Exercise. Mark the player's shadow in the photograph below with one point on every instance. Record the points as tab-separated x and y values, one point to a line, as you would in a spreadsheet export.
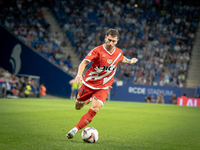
74	141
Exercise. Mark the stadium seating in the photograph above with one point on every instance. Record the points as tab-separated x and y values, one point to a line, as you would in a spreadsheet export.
25	20
162	34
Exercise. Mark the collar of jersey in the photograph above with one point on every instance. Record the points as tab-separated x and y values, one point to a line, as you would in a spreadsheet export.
108	51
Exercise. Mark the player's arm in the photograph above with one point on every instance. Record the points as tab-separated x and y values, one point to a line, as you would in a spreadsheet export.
81	68
129	61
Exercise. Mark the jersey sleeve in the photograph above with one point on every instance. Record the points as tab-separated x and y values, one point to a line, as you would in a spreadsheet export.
122	57
92	55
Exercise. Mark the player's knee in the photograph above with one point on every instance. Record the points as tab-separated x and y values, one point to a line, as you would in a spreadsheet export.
78	107
96	109
96	105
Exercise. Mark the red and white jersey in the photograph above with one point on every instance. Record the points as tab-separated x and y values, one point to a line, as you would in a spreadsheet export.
104	65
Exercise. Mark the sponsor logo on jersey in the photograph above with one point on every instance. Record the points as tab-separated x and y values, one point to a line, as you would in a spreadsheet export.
109	61
104	70
107	68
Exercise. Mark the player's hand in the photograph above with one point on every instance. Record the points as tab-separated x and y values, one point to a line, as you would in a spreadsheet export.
133	60
78	79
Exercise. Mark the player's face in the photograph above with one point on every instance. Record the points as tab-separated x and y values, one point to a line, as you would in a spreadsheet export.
110	42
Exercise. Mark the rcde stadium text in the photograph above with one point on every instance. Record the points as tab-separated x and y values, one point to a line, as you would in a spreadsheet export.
137	90
149	91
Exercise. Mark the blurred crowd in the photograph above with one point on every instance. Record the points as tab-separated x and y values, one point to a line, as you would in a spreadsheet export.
17	86
161	34
26	21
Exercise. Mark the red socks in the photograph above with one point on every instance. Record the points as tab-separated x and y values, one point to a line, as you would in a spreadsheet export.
86	119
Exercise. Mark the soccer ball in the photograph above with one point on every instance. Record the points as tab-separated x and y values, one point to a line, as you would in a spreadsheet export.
90	135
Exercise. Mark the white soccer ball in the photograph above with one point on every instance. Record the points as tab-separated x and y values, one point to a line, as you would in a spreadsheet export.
90	135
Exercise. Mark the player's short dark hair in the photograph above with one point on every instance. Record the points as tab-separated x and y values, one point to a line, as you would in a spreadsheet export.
113	33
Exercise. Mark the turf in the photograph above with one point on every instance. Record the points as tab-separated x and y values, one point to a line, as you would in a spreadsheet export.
41	124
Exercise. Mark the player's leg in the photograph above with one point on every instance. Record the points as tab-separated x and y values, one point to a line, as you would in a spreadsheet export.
72	132
87	118
84	93
96	105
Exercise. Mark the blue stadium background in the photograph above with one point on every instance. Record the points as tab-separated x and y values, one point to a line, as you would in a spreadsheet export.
159	33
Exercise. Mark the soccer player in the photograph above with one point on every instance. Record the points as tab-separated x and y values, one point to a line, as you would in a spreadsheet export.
99	78
74	88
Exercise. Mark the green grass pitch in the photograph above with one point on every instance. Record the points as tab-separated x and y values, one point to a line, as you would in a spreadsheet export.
42	124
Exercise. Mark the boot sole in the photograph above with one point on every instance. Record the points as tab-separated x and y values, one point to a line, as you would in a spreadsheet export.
69	136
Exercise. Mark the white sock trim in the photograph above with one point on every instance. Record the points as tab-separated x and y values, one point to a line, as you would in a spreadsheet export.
75	128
